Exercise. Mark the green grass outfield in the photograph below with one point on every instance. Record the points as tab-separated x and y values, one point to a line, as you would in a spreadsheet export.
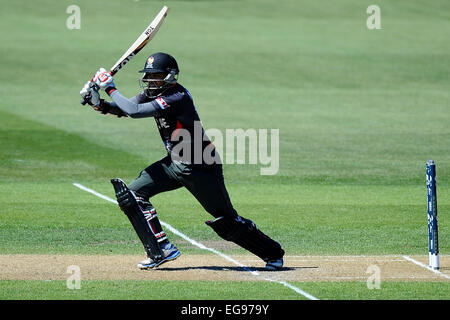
206	290
359	113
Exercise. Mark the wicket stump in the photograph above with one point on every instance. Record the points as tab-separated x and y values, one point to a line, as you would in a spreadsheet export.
433	244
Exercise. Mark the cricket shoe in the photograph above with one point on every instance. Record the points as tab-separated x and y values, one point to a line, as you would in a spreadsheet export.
274	265
170	253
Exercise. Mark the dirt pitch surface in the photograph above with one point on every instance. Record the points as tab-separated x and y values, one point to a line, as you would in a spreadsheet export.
215	268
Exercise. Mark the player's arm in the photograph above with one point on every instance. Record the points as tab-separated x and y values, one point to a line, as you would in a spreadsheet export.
106	107
121	104
132	108
128	107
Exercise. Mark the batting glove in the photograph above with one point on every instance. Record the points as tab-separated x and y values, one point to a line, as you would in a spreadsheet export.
104	80
90	94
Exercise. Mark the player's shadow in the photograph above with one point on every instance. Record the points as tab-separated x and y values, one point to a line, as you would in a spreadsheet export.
230	268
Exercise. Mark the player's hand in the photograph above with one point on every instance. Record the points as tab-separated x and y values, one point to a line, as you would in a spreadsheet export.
103	79
90	94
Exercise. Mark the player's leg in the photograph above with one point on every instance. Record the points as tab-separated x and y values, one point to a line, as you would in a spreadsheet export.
127	202
246	234
208	187
170	252
151	181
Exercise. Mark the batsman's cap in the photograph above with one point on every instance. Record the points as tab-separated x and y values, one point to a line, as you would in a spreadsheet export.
160	62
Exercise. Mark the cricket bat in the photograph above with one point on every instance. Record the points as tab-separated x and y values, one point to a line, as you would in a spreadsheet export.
140	42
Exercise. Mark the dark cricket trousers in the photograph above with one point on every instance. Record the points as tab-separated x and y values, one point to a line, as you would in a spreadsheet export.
207	185
205	182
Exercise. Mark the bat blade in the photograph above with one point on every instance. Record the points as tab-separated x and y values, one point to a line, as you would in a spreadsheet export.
141	41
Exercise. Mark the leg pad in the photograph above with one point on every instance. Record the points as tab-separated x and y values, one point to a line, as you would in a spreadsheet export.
246	234
129	205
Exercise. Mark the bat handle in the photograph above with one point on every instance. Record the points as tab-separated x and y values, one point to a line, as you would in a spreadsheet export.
83	102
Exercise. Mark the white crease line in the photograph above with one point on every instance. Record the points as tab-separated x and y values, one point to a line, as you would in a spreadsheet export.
201	246
348	256
333	260
426	267
94	192
307	260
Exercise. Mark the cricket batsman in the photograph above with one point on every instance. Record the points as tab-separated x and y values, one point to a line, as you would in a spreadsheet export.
172	107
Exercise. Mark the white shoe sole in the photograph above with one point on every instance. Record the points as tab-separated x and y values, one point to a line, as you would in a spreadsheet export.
154	265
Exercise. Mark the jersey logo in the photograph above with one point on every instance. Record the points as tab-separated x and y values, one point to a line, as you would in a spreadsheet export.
162	103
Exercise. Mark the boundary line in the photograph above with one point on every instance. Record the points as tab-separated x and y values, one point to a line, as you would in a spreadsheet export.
202	246
420	264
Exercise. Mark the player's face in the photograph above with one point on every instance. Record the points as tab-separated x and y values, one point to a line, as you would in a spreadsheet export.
155	80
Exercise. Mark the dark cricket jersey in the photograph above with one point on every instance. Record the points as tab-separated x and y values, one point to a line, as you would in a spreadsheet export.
177	120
